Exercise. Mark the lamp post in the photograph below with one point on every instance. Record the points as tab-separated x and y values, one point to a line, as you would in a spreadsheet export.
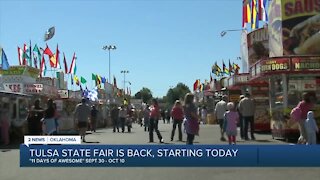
224	32
109	48
124	80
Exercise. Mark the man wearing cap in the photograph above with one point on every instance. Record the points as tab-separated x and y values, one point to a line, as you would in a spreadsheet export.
220	109
247	109
81	115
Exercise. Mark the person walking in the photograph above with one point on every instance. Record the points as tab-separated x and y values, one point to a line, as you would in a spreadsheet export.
191	118
56	117
219	110
122	117
81	116
231	118
247	110
154	119
305	106
35	115
49	122
241	123
146	118
93	118
115	118
204	114
177	116
311	129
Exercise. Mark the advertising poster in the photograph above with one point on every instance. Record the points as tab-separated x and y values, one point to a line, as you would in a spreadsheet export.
300	27
258	45
275	29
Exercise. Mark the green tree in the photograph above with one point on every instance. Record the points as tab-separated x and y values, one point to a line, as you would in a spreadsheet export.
145	94
176	93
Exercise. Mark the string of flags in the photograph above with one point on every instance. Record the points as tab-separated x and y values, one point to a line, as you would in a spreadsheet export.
220	72
254	11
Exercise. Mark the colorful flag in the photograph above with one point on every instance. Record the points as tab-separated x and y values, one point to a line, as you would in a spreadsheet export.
93	77
103	80
236	68
57	58
35	60
71	80
43	68
196	85
76	79
47	51
25	55
20	54
53	60
98	81
83	80
213	68
65	64
30	54
263	15
225	69
37	50
230	68
73	67
245	12
49	34
4	61
218	69
254	15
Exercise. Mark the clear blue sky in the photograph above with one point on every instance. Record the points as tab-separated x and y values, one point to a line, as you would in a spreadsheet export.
160	42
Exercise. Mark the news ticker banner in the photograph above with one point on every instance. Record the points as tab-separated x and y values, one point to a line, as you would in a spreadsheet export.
169	155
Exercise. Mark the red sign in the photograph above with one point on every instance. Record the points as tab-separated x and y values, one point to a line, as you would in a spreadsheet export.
305	63
275	65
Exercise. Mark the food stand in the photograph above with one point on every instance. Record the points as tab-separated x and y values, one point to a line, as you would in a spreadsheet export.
239	84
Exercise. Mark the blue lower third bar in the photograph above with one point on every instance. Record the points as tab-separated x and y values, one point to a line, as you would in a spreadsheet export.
168	156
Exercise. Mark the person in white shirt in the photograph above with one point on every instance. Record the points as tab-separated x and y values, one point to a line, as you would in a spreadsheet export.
220	109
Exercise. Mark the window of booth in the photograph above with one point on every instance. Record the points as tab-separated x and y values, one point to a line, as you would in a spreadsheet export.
276	92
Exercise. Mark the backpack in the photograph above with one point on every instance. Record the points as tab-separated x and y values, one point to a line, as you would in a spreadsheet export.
295	114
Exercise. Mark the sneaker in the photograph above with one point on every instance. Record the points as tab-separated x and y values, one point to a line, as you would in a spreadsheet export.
161	141
171	139
222	139
253	138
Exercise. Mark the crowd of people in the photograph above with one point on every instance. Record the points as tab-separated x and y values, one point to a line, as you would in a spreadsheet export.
185	116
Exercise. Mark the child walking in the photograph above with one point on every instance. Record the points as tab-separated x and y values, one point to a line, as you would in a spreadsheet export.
311	128
231	118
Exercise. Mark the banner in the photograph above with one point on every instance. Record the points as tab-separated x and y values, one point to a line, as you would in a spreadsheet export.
167	155
305	63
275	65
258	45
300	27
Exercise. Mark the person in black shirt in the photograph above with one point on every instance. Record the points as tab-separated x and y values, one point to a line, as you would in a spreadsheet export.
93	118
34	119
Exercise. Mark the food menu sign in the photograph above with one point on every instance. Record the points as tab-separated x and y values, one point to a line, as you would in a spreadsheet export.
274	65
305	63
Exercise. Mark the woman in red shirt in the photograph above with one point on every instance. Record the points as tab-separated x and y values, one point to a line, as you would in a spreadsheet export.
154	118
177	115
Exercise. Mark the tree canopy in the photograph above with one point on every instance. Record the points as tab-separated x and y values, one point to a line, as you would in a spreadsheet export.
145	94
